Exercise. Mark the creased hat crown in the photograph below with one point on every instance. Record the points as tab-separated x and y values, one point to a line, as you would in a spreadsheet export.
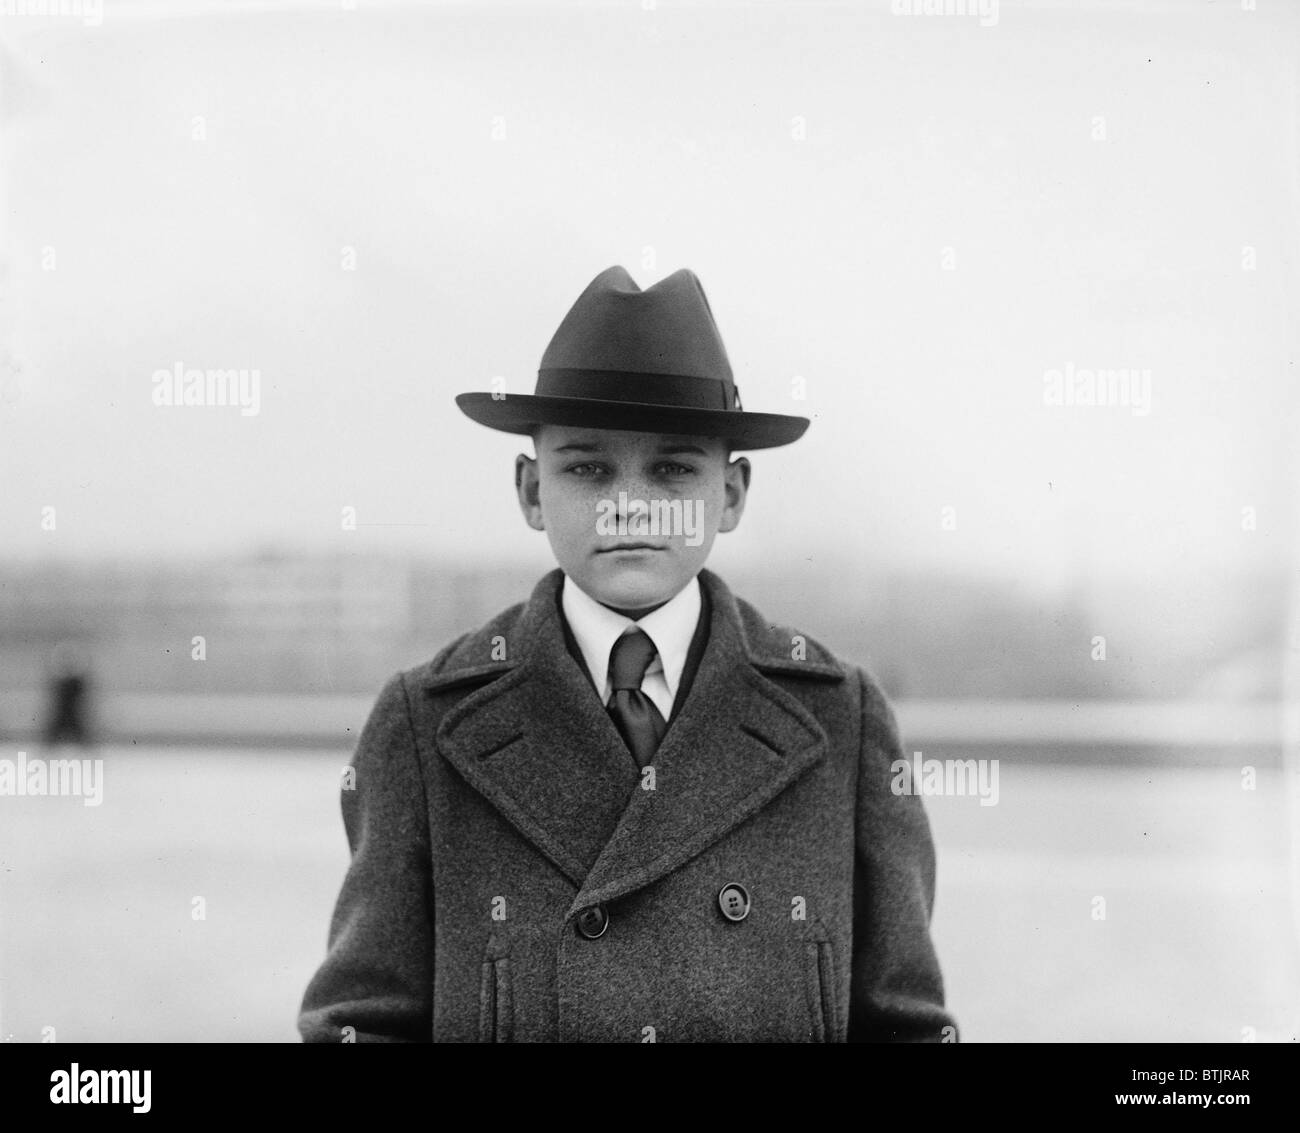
666	329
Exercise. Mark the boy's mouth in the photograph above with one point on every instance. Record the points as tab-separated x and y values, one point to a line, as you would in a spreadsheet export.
631	545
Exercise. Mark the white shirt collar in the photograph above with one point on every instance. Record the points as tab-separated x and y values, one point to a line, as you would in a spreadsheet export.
595	628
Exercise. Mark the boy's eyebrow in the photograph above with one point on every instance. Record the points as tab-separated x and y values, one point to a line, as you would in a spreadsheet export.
664	450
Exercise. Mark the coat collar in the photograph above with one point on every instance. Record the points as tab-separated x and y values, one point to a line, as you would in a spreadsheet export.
536	739
671	628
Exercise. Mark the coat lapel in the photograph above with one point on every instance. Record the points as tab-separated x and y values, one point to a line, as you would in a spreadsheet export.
539	745
737	743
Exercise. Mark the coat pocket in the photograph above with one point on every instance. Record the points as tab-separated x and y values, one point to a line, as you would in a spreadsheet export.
495	1007
819	988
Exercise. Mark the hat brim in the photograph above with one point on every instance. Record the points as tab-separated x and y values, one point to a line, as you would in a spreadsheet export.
522	413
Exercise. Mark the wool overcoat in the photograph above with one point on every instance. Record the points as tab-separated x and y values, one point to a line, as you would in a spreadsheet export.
496	813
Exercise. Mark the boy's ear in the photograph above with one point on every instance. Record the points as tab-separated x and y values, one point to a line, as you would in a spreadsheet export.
735	490
527	488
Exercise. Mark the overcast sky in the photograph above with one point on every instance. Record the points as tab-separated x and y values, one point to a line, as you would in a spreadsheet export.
921	217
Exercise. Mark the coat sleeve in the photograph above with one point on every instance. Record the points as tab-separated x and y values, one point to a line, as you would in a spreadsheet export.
377	978
896	992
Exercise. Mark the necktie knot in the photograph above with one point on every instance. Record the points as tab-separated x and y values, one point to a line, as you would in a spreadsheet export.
629	660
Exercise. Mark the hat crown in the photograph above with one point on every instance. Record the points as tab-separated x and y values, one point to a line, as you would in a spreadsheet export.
666	329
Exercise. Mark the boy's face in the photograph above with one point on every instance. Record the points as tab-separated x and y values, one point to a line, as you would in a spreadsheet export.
631	517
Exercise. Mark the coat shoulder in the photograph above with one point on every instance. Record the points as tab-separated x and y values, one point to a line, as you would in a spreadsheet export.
473	658
786	651
783	650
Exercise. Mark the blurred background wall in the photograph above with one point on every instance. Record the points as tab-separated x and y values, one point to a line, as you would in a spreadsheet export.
303	627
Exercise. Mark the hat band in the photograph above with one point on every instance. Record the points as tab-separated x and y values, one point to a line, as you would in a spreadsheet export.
673	390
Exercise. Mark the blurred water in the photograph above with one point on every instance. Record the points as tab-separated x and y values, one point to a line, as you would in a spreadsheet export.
97	937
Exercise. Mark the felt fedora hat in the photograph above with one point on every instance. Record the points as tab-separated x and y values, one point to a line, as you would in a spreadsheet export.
648	361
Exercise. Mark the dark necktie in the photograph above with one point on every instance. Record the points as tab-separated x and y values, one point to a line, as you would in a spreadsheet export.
634	714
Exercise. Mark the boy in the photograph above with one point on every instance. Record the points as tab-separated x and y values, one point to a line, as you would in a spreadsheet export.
630	809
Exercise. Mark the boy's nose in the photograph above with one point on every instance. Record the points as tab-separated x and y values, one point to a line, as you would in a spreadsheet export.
628	493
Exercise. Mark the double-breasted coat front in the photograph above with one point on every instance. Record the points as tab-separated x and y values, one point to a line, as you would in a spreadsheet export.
515	876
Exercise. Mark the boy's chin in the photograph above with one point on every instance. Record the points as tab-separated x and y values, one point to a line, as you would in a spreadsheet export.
631	588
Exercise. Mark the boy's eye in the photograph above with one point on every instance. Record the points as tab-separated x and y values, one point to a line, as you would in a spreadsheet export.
590	468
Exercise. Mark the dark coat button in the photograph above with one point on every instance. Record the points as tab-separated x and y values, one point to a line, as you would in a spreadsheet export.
592	922
734	902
